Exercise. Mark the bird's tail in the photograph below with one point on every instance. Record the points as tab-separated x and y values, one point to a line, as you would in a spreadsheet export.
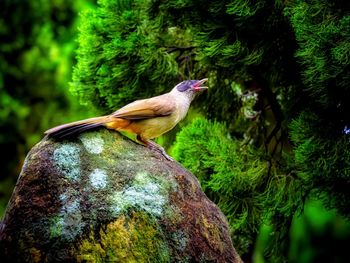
74	128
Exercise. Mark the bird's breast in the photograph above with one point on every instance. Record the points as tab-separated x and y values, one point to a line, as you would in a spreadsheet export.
183	104
154	127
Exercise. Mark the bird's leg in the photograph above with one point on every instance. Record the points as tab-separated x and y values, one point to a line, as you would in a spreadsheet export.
152	145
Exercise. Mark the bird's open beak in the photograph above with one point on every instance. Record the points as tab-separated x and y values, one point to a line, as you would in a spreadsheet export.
199	85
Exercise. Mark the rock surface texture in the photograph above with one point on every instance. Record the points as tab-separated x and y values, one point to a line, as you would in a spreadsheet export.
103	198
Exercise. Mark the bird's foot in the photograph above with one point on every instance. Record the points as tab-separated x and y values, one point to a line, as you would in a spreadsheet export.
163	152
152	145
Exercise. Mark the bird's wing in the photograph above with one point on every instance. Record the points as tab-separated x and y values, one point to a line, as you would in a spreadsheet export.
162	105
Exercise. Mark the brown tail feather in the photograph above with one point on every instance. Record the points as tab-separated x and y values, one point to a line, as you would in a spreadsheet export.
74	128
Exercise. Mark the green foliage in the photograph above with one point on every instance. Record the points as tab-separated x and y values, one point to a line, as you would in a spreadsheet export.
235	41
322	31
323	158
236	177
230	174
121	57
36	47
316	225
320	132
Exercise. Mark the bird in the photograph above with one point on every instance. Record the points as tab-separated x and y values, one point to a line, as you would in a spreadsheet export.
147	118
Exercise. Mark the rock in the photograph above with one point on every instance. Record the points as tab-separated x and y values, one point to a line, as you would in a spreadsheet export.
103	198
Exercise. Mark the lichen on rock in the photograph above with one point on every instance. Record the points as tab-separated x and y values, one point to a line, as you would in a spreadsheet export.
67	159
145	194
103	198
98	178
93	143
134	238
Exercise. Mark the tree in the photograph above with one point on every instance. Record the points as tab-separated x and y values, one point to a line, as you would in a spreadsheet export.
273	130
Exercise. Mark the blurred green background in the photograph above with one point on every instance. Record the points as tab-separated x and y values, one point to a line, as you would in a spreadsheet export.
37	52
269	141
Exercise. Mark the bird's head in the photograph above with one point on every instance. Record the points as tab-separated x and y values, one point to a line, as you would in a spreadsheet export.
190	88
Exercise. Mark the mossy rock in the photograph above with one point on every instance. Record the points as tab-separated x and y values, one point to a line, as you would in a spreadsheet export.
103	198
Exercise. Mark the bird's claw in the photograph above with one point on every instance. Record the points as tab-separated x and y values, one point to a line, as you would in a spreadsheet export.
160	150
166	156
